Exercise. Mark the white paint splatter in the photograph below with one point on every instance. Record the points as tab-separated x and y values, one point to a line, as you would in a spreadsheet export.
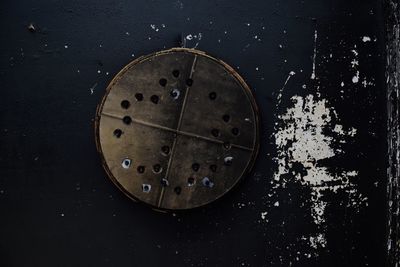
154	28
279	98
356	77
305	135
354	65
313	75
264	215
366	39
92	88
193	37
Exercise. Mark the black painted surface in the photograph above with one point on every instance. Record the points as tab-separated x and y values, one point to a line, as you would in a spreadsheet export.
57	207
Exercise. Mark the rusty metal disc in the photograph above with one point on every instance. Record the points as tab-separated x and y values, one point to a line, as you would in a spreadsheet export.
177	129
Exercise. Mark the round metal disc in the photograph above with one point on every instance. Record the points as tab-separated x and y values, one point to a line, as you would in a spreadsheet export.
177	129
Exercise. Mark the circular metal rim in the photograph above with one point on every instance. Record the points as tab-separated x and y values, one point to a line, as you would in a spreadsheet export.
235	74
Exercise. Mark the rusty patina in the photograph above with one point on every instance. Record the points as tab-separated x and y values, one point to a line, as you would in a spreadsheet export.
177	129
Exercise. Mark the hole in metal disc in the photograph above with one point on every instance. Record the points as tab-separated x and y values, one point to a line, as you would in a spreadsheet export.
175	73
215	132
235	131
207	182
165	150
154	99
227	145
164	182
125	104
191	181
212	95
157	168
226	118
141	169
126	163
189	82
228	161
163	82
195	167
175	93
146	188
117	133
139	96
178	190
127	120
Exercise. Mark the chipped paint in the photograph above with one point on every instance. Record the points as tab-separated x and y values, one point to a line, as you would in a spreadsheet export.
305	135
313	75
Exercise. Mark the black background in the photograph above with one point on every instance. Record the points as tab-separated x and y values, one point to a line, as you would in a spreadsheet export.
57	208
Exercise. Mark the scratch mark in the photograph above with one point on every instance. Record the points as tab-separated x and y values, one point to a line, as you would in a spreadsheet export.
279	98
92	88
313	75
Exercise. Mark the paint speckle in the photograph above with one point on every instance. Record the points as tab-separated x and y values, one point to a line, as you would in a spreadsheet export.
366	39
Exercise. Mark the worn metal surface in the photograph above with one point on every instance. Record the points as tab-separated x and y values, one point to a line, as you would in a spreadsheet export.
177	129
328	205
393	133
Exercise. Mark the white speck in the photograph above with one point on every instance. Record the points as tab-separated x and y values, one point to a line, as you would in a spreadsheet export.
98	71
62	214
276	204
248	24
100	45
92	88
65	46
127	33
264	215
133	55
191	37
356	78
366	39
342	84
153	27
280	46
107	73
304	86
256	68
78	71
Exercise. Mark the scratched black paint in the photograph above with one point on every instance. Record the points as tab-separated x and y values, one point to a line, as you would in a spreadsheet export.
57	207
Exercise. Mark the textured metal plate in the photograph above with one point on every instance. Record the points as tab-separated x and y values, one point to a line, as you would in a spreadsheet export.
177	129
